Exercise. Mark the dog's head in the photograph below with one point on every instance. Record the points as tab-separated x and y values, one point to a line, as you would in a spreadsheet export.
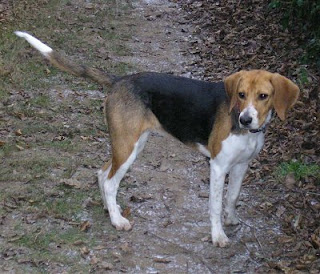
255	93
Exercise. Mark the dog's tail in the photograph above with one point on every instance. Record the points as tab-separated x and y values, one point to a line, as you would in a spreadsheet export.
67	65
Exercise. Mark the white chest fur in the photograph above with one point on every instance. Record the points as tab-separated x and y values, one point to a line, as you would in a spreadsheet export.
237	149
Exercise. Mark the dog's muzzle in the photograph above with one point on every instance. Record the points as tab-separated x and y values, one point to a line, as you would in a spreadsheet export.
245	120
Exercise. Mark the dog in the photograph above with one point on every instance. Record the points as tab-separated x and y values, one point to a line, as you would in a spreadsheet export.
225	121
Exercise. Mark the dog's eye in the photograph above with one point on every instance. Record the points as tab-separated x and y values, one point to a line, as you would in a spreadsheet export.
241	95
263	96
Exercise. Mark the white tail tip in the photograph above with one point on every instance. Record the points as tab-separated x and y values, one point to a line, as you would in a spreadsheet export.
37	44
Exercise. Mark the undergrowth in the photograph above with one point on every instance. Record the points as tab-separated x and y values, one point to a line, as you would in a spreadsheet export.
302	16
299	169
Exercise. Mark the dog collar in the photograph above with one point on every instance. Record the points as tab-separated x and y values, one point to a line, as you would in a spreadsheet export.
262	129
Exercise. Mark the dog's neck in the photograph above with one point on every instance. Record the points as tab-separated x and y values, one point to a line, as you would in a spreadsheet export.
265	125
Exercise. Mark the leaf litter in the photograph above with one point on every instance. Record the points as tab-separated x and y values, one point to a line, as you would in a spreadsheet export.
234	35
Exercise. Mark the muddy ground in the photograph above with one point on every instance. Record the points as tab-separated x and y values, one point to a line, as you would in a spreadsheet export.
53	140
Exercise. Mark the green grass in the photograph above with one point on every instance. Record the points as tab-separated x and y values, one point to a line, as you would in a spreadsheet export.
40	244
69	206
3	94
7	149
303	76
66	145
41	100
28	69
41	240
34	166
54	243
33	171
27	168
299	170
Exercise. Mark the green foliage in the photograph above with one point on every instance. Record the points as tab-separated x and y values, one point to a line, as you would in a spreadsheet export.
303	77
299	170
304	15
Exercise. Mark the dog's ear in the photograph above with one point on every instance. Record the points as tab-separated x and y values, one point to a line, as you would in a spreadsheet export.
231	84
286	94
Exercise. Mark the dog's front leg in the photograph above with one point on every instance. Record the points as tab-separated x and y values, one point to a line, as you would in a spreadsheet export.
217	177
236	176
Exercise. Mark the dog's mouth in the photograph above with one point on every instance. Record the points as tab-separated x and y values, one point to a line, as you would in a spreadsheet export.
252	124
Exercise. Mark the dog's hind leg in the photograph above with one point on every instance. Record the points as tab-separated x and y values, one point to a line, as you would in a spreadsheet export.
102	176
110	177
129	123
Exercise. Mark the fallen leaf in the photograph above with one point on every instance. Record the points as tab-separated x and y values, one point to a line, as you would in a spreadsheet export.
290	181
89	203
315	240
18	132
203	195
126	248
281	209
71	183
85	226
60	138
286	239
106	266
126	212
94	260
161	260
20	115
99	247
85	138
140	198
205	239
79	242
15	238
297	221
19	147
84	250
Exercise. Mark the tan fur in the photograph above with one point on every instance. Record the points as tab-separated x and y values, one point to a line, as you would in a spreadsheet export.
231	84
221	130
106	165
64	63
286	94
127	119
282	93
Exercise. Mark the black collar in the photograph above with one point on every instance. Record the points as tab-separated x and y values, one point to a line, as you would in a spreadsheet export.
262	129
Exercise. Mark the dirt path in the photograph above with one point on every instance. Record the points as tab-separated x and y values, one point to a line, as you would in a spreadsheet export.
54	141
168	184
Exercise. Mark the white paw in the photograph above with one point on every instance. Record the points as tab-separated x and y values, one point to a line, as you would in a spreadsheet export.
122	223
220	240
231	220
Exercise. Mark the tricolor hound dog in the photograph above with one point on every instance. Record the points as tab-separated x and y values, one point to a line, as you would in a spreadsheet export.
226	121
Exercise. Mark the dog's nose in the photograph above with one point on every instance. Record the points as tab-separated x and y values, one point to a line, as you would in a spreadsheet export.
245	120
